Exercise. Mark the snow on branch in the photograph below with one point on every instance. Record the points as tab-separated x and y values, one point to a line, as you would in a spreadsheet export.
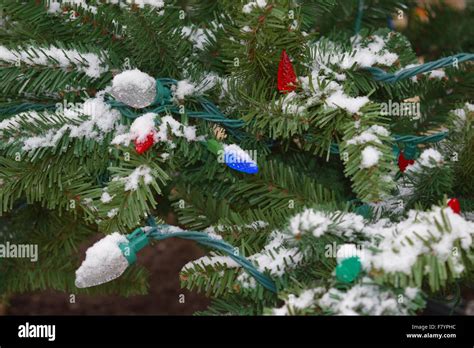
362	299
429	158
55	5
91	64
254	4
366	299
318	223
275	258
92	120
145	124
369	141
395	246
439	232
330	60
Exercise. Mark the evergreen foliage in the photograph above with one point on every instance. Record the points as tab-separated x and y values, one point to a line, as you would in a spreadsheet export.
327	155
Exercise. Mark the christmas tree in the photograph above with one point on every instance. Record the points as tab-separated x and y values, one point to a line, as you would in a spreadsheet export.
323	163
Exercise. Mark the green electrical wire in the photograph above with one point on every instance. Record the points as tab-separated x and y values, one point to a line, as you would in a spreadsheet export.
380	75
161	232
415	139
18	108
360	12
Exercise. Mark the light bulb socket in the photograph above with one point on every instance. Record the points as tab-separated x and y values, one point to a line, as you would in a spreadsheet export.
137	240
410	151
214	146
348	269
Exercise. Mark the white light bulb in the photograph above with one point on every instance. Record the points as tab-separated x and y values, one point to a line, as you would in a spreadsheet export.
134	88
104	262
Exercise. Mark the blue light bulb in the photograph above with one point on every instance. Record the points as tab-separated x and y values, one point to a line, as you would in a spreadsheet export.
243	164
